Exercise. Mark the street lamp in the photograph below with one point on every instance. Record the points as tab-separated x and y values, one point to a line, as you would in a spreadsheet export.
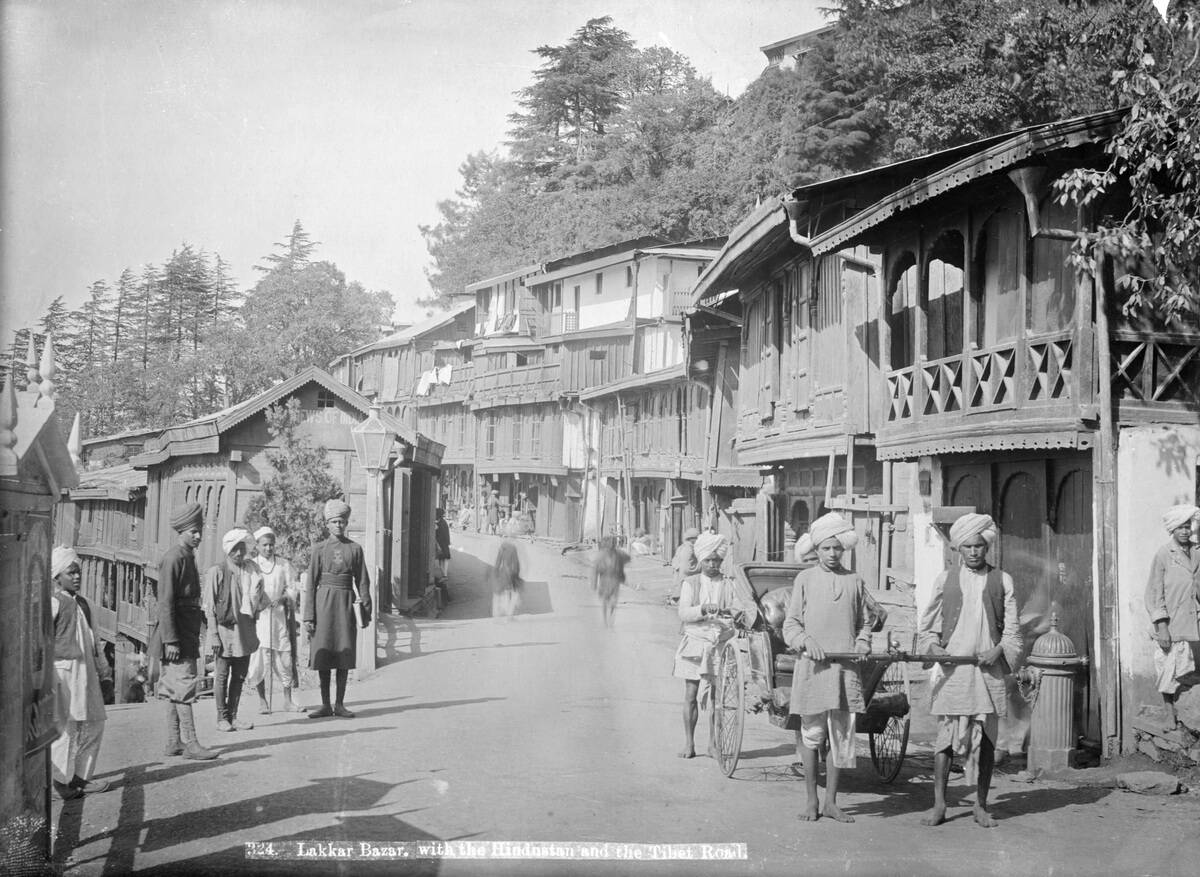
373	446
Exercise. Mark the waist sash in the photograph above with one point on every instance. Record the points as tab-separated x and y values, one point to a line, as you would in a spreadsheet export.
337	581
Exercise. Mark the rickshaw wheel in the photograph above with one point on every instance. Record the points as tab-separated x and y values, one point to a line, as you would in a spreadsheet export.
729	701
889	746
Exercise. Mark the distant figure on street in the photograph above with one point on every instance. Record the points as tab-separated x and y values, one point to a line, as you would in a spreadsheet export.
608	574
176	633
135	691
972	611
79	665
493	512
684	564
1173	602
465	515
828	612
504	579
233	599
642	544
441	535
337	579
709	606
276	653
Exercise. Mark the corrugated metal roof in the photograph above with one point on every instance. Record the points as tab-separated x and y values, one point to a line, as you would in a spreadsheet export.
662	376
398	339
113	482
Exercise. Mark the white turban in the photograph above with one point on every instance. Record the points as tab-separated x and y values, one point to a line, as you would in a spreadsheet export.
61	560
828	526
708	544
973	525
336	508
1177	516
231	539
263	531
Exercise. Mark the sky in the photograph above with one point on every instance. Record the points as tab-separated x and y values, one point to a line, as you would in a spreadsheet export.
129	128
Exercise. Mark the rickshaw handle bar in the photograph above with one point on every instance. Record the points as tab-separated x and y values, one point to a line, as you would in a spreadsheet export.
898	657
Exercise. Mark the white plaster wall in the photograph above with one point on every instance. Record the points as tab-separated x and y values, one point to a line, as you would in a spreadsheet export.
611	306
662	347
1156	469
928	545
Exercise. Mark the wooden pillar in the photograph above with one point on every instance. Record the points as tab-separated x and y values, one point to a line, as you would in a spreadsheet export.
1106	533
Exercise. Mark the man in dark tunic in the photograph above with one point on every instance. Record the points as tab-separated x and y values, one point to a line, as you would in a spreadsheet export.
337	579
177	632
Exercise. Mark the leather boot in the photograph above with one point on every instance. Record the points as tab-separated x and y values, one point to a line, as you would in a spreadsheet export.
187	730
174	744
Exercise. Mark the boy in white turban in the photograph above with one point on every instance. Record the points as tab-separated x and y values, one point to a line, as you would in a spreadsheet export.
233	597
275	656
1173	603
971	612
79	666
701	600
828	612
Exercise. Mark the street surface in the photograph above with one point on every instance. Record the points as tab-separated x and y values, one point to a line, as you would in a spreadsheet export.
551	728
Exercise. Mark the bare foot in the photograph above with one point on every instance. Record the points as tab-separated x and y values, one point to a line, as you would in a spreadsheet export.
834	812
810	814
984	818
687	752
936	816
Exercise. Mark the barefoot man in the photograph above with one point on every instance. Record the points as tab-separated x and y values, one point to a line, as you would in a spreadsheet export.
1173	601
972	611
828	612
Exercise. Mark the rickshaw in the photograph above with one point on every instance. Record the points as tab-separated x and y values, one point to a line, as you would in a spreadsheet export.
755	675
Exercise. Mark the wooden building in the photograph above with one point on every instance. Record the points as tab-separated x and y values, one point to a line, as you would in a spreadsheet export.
613	322
420	375
117	517
35	466
980	372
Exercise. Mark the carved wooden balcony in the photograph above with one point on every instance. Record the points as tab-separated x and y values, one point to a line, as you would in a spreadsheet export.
515	386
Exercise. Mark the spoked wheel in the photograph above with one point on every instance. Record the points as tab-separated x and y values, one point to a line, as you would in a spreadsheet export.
889	745
729	701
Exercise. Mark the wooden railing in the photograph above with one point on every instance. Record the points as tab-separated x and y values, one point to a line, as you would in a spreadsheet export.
681	300
529	380
1030	372
1156	369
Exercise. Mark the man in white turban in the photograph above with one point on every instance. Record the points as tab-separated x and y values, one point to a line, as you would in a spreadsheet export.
276	653
971	612
702	600
828	611
79	665
1173	603
232	599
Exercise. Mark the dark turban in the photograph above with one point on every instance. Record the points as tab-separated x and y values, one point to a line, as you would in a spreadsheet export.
188	517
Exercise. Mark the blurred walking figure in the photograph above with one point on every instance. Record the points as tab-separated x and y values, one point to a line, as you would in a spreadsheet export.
276	653
79	666
684	563
505	580
608	574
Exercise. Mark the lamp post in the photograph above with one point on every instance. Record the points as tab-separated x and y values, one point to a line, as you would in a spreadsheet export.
373	446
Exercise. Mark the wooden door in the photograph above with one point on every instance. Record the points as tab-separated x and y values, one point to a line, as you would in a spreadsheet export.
401	546
1071	590
1021	515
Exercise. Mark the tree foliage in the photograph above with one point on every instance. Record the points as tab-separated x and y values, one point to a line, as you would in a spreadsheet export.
611	141
179	340
294	493
1148	193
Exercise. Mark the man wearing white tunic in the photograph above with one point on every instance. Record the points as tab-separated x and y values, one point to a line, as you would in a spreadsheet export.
276	641
971	612
1173	603
79	667
829	611
703	597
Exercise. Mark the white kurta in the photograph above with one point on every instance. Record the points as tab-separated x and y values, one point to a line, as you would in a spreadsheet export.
279	580
79	705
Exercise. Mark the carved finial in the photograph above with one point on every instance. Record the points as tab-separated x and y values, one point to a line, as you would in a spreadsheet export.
8	428
48	369
75	444
31	365
1054	620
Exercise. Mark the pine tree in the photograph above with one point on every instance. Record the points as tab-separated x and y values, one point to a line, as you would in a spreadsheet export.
294	493
296	252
